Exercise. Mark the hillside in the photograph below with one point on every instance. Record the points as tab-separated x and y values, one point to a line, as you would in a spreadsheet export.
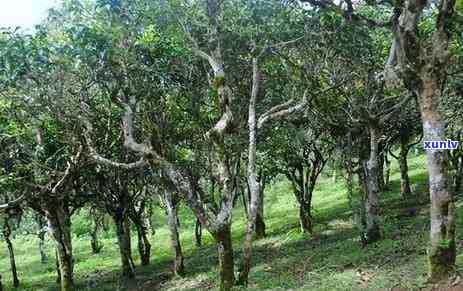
330	259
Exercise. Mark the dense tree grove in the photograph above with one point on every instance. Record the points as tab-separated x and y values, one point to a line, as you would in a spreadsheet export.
119	110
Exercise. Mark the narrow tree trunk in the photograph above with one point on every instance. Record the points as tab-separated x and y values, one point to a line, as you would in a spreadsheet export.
198	232
373	231
226	260
149	218
123	238
172	221
144	246
387	174
381	182
260	222
254	188
442	250
1	286
405	190
58	272
59	225
7	235
459	176
94	242
335	175
41	235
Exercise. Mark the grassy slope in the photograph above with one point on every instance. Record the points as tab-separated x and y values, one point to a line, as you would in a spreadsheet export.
330	259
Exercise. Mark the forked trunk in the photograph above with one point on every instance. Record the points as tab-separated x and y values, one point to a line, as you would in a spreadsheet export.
123	239
59	225
172	221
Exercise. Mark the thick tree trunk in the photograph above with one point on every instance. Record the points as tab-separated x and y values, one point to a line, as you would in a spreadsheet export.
405	190
7	235
59	226
226	260
373	230
442	250
125	249
172	221
305	217
198	232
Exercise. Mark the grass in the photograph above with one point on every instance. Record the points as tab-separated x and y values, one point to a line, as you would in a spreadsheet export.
330	259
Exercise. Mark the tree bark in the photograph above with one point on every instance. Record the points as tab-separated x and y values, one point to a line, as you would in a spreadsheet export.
381	182
59	226
94	242
41	235
137	216
260	221
198	232
405	190
7	235
442	250
125	249
305	217
387	174
144	245
172	221
459	175
373	230
226	260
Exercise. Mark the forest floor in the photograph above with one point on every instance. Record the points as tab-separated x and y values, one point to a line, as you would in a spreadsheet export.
332	258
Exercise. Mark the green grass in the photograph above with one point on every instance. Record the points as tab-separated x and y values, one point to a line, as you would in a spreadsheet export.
330	259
